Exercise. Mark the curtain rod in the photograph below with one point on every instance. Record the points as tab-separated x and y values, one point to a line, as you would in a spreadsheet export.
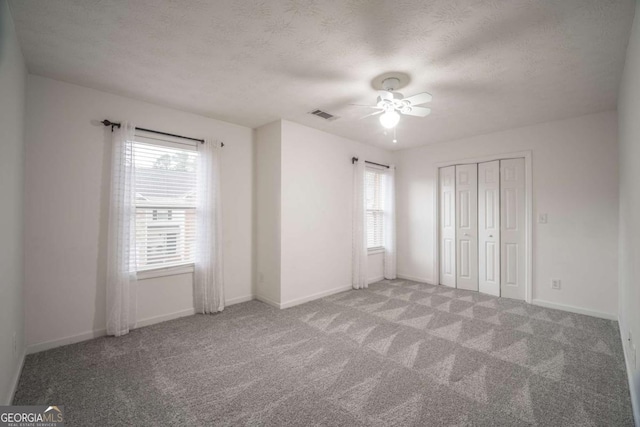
355	159
117	125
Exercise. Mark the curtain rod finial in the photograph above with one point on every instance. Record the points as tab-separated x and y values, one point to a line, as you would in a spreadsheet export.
110	123
353	160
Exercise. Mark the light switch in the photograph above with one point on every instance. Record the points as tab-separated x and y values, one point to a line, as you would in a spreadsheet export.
542	218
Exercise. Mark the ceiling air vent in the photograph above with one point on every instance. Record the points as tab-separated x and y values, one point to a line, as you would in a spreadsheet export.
323	114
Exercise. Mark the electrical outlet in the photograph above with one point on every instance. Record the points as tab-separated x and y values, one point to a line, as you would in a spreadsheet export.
261	278
556	283
542	218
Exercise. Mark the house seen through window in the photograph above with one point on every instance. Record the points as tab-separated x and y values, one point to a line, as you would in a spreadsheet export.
374	191
165	177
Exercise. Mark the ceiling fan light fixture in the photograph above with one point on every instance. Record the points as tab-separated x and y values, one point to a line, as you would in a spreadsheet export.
389	119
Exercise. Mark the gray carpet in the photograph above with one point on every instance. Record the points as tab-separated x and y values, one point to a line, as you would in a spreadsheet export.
400	353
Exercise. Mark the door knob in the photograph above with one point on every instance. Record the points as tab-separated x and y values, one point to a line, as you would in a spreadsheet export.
490	235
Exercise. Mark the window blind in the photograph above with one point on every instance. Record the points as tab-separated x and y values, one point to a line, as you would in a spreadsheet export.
374	190
165	178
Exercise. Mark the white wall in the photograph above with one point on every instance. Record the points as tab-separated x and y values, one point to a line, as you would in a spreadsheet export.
67	187
268	150
317	177
574	182
13	79
629	133
304	212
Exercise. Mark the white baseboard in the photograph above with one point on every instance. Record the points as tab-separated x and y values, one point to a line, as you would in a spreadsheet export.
635	403
573	309
164	317
238	300
269	301
14	381
315	296
415	279
48	345
302	300
374	280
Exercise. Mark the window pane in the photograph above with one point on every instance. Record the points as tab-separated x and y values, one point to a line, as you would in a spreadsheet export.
165	205
374	229
374	192
165	176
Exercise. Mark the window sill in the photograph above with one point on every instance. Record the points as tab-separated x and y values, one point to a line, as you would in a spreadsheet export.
373	251
167	271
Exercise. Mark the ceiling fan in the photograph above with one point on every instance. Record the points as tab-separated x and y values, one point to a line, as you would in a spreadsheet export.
392	104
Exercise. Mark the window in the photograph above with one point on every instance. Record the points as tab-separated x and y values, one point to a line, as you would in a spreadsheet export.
374	190
164	215
165	176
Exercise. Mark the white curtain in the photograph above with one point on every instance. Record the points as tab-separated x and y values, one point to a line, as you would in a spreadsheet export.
209	286
121	268
390	223
359	242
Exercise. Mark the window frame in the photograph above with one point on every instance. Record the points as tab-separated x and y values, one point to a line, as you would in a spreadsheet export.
177	143
381	172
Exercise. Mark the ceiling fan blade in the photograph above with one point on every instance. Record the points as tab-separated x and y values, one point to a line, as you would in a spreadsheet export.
418	112
420	98
372	114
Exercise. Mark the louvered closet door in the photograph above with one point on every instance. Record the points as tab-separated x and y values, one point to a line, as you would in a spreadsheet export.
467	226
489	227
448	226
512	187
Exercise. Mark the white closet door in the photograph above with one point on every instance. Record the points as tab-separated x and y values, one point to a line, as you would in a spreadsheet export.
448	226
489	227
467	226
512	185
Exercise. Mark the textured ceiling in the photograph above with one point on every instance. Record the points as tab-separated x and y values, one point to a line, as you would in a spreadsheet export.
490	65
